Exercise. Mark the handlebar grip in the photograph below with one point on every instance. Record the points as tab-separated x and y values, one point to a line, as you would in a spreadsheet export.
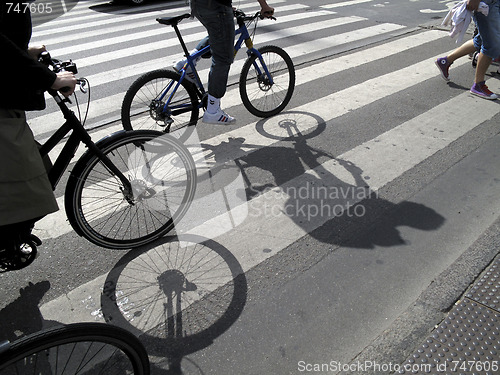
45	58
267	15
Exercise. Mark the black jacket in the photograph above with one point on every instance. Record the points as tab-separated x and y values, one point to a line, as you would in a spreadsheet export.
22	79
225	2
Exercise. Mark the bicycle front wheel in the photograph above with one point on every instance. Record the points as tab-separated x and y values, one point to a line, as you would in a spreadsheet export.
145	103
262	94
161	184
82	348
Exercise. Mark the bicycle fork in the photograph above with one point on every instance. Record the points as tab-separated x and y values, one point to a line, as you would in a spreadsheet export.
85	138
262	77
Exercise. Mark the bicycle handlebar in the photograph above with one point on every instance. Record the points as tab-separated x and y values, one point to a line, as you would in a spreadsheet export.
66	66
240	14
57	65
61	66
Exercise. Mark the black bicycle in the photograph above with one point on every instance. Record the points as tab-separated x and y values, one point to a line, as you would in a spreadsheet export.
127	189
81	348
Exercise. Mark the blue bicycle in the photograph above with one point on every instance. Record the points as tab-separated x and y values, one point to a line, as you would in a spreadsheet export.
167	99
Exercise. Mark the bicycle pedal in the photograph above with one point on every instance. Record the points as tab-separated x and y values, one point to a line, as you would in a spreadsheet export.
37	241
204	101
168	121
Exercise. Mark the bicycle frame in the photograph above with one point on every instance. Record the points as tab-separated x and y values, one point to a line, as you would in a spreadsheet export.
78	136
244	37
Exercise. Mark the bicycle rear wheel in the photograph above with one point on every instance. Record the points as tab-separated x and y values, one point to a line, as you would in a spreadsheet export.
260	96
82	348
144	104
162	183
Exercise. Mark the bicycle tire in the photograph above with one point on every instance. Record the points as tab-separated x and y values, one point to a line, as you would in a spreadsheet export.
81	348
163	176
141	108
259	97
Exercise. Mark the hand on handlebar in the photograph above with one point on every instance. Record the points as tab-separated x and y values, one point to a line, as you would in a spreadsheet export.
65	83
267	12
35	51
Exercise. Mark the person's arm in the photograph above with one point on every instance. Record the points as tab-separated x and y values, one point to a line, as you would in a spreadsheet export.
32	73
22	68
265	9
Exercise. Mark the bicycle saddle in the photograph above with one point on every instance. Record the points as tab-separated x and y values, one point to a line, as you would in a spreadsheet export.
172	21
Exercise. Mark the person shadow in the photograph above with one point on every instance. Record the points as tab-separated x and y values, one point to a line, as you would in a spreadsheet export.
22	316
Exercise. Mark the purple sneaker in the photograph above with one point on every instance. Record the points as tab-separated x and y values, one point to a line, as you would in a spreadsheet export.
443	65
481	90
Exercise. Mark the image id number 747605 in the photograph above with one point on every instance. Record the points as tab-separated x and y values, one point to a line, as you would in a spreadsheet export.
29	7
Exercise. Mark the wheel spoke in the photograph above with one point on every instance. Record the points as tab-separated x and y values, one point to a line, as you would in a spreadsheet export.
266	96
162	178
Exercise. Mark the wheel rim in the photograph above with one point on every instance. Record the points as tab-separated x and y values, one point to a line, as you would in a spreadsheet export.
146	107
162	185
263	95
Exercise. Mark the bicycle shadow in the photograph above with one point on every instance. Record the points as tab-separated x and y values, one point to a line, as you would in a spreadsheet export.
321	192
177	296
22	316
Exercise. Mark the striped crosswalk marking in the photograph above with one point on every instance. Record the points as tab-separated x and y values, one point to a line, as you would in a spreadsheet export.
123	29
381	159
345	4
111	104
341	102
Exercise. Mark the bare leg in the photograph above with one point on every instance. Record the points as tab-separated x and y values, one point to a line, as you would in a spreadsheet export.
483	62
464	49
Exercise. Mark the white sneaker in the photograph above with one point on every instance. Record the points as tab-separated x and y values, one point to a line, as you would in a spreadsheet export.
219	117
189	72
190	76
179	65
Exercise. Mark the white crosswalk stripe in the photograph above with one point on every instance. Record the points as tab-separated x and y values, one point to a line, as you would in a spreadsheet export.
381	160
163	31
345	3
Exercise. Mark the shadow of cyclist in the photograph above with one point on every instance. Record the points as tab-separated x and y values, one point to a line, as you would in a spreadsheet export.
22	316
318	191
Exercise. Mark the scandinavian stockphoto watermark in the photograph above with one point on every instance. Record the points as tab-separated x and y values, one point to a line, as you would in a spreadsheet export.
390	368
360	367
310	201
223	201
